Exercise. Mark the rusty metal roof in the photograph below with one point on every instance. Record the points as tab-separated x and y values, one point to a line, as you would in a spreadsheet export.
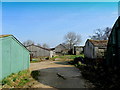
79	46
1	36
99	43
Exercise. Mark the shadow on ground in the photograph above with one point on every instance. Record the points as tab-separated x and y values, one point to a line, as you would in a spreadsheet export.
62	63
60	77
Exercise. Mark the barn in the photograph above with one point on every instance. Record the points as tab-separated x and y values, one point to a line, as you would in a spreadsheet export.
113	48
14	58
61	49
95	48
38	51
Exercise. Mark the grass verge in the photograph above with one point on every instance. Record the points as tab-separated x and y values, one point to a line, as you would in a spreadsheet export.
64	57
17	80
39	59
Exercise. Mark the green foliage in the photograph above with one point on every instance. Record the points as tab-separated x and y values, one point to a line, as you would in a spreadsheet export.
38	59
14	79
67	57
74	56
22	72
35	74
102	77
58	57
34	61
6	81
23	81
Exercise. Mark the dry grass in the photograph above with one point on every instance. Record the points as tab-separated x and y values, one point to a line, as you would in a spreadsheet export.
17	80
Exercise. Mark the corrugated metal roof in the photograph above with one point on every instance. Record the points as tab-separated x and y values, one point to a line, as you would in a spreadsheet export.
63	45
39	47
99	43
1	36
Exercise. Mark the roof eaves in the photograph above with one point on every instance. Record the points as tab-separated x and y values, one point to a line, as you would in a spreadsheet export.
39	47
2	36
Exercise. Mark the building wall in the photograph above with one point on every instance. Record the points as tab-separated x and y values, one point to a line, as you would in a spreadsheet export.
78	50
92	52
101	52
59	49
118	42
14	56
38	52
52	53
0	59
113	48
89	50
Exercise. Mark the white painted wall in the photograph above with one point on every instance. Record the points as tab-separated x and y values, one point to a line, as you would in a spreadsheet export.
92	52
89	50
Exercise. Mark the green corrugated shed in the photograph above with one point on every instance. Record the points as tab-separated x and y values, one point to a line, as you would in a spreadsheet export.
14	58
113	49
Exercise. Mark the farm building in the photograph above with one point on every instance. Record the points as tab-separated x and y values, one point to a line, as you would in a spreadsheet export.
61	49
113	48
38	51
95	48
14	58
78	50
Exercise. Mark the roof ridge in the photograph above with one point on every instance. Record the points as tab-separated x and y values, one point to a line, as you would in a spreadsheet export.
38	46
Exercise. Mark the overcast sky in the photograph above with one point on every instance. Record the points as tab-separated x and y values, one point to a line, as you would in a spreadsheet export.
48	22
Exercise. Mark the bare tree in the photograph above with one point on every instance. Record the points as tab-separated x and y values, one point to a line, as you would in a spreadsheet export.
101	34
28	42
45	45
38	44
71	39
98	35
107	32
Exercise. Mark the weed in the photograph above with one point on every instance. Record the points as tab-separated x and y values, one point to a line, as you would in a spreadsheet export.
17	79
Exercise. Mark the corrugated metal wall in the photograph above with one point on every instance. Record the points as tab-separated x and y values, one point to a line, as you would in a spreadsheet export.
113	49
118	42
38	52
14	56
0	59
